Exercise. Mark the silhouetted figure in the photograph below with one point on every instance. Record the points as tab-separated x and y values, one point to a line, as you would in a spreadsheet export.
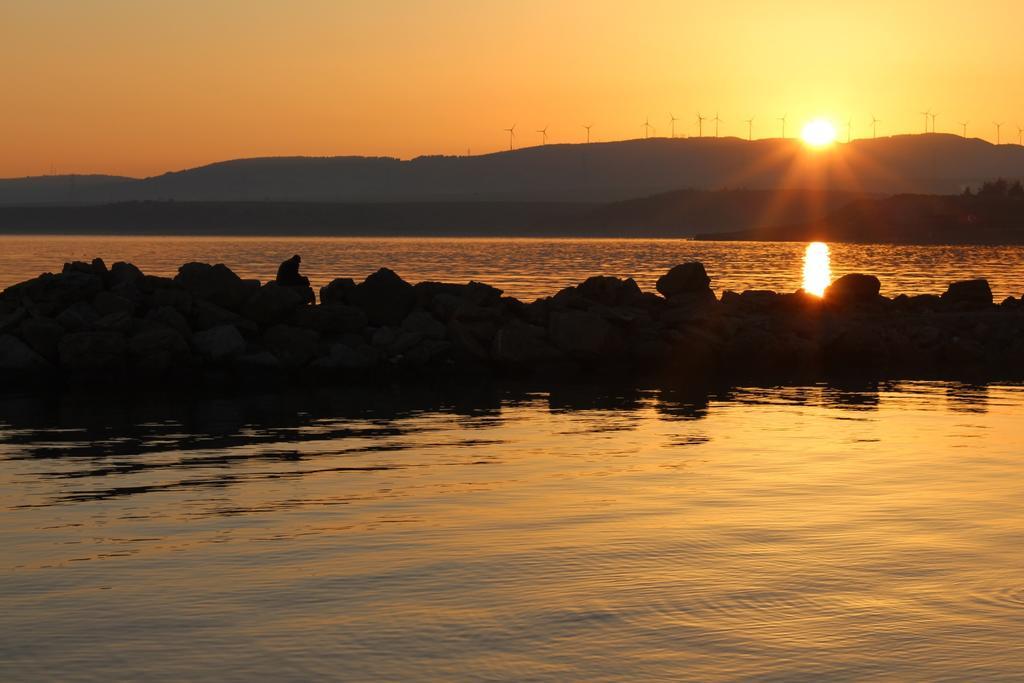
288	276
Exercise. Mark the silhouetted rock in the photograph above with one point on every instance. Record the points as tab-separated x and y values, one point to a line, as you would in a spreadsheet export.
158	352
219	343
425	324
43	335
330	318
344	357
686	278
521	344
216	283
336	292
97	355
294	346
384	297
124	274
78	317
853	288
107	302
271	304
579	332
969	294
18	361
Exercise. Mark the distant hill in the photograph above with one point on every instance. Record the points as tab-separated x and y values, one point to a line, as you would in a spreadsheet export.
993	216
579	173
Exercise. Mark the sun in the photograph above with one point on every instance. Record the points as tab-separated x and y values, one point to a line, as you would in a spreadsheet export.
818	133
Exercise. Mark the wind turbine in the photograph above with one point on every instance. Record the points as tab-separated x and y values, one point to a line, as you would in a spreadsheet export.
588	132
543	135
717	121
963	124
700	125
1020	135
933	122
926	114
849	129
673	119
647	127
874	126
783	120
999	128
511	137
750	128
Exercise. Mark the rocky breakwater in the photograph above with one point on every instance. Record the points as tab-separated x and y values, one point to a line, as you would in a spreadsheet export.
95	325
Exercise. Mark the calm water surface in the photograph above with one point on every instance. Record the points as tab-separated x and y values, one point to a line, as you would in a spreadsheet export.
489	534
528	268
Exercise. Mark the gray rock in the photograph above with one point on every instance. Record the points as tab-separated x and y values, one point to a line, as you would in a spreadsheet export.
219	343
684	278
294	346
969	294
384	297
95	354
272	304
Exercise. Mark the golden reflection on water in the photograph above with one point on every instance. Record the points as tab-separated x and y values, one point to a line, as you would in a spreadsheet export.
817	270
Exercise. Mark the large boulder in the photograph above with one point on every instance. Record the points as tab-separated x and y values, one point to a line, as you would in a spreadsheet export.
854	288
521	344
384	297
424	324
610	291
579	332
49	294
124	274
271	304
686	278
18	361
206	314
294	346
158	352
216	283
336	292
172	318
969	294
330	318
106	303
219	344
79	316
343	357
97	355
43	335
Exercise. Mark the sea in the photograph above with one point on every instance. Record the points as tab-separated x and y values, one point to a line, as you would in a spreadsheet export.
487	531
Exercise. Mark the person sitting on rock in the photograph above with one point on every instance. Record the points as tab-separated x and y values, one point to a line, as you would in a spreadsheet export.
288	276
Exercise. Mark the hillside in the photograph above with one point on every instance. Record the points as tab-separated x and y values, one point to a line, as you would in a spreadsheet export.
587	173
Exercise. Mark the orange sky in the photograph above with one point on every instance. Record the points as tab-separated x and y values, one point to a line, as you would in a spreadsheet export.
140	87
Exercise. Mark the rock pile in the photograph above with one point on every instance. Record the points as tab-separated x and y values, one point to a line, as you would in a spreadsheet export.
92	324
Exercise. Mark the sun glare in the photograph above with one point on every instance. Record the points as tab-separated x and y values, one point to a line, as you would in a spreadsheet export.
818	133
817	270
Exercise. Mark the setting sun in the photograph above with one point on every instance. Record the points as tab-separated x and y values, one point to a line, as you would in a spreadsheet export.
818	133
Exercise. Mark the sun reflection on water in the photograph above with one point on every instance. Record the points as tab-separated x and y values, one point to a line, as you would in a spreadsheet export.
817	271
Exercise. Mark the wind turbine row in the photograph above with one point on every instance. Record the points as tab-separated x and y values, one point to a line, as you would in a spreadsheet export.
649	129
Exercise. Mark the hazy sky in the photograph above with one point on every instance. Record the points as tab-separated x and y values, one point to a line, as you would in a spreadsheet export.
142	86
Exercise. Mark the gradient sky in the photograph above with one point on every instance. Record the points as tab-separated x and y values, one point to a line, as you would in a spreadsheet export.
138	87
